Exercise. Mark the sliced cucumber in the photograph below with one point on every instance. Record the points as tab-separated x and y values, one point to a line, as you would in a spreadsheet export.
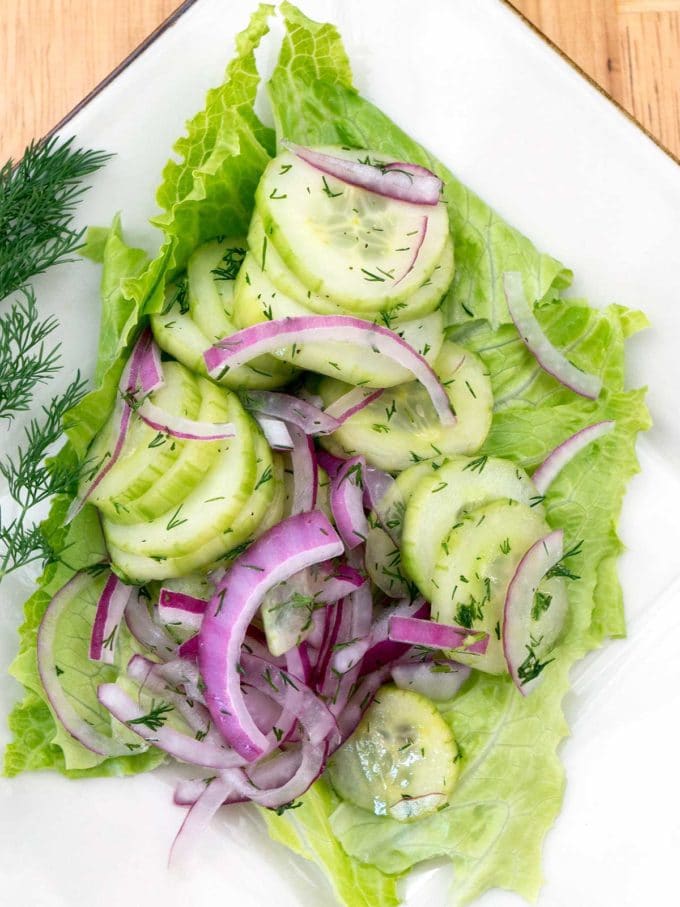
263	510
477	561
147	453
344	242
209	509
211	273
420	303
439	501
401	426
257	300
401	761
177	333
187	470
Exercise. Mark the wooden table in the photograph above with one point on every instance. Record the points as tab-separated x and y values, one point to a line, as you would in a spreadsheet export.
52	52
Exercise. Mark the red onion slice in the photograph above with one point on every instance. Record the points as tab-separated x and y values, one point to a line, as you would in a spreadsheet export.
518	646
347	502
305	471
175	743
376	485
178	607
287	548
226	787
293	410
416	632
555	462
376	647
150	372
107	618
404	183
350	403
60	703
181	427
148	633
276	433
438	680
548	357
269	336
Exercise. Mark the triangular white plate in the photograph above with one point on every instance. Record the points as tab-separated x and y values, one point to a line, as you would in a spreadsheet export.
559	161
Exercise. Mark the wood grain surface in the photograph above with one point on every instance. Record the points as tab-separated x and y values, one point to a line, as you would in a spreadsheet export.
53	52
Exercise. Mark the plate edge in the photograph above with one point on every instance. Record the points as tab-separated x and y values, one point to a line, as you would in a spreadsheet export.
600	90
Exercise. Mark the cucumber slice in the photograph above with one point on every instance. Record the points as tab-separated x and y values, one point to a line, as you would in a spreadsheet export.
345	242
401	761
178	334
146	453
420	303
211	272
257	300
187	470
477	561
263	510
441	498
209	509
401	426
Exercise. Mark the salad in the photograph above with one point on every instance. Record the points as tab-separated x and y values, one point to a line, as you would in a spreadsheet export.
350	477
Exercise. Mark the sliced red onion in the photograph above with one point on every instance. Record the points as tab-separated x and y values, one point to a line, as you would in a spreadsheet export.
376	647
332	465
178	607
148	633
360	700
293	410
438	680
181	672
60	703
310	768
150	373
107	618
267	337
276	433
376	485
226	787
350	403
287	548
189	649
401	182
422	233
416	632
548	357
181	427
305	471
518	645
152	728
555	462
347	502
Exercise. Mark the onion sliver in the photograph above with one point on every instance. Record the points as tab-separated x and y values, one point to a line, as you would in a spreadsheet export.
548	357
276	433
433	635
59	701
175	743
179	607
347	502
226	787
555	462
403	182
287	548
267	337
520	655
352	402
438	680
150	372
305	471
181	427
294	410
145	630
107	618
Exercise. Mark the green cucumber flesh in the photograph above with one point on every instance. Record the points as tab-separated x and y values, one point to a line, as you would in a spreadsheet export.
345	242
256	300
441	498
211	273
477	561
401	761
418	304
401	426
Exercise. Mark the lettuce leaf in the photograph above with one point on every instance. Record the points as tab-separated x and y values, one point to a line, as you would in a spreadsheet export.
315	103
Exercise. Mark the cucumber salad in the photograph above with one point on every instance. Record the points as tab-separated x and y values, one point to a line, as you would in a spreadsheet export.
350	477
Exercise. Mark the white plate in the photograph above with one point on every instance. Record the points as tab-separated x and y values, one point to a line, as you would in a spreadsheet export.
559	161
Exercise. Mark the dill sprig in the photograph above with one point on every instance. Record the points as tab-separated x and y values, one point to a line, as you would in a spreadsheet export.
32	479
38	197
25	360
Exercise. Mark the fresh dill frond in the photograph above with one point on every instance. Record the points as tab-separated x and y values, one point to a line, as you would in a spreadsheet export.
38	197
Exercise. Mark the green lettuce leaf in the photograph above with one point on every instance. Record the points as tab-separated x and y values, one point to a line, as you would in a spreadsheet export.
315	103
